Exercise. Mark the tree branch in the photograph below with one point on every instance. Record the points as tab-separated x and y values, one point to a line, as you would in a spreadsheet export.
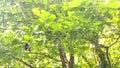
95	43
114	42
46	55
23	62
52	57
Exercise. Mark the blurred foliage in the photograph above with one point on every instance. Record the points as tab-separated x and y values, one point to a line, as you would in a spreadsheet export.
45	24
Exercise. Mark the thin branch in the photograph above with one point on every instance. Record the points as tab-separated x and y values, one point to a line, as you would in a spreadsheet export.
114	42
95	43
25	63
46	55
52	57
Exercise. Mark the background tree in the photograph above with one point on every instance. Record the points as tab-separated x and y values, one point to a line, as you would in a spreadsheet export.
59	33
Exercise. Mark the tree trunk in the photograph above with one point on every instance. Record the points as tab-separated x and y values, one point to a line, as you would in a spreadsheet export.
71	61
62	56
65	62
104	61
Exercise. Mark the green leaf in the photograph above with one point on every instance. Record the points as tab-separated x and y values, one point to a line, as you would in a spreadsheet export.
27	37
73	3
56	26
44	13
36	11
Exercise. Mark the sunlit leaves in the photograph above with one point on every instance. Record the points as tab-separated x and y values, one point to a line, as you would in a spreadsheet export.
116	19
53	6
109	3
56	26
27	37
36	11
71	4
114	4
44	15
25	27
